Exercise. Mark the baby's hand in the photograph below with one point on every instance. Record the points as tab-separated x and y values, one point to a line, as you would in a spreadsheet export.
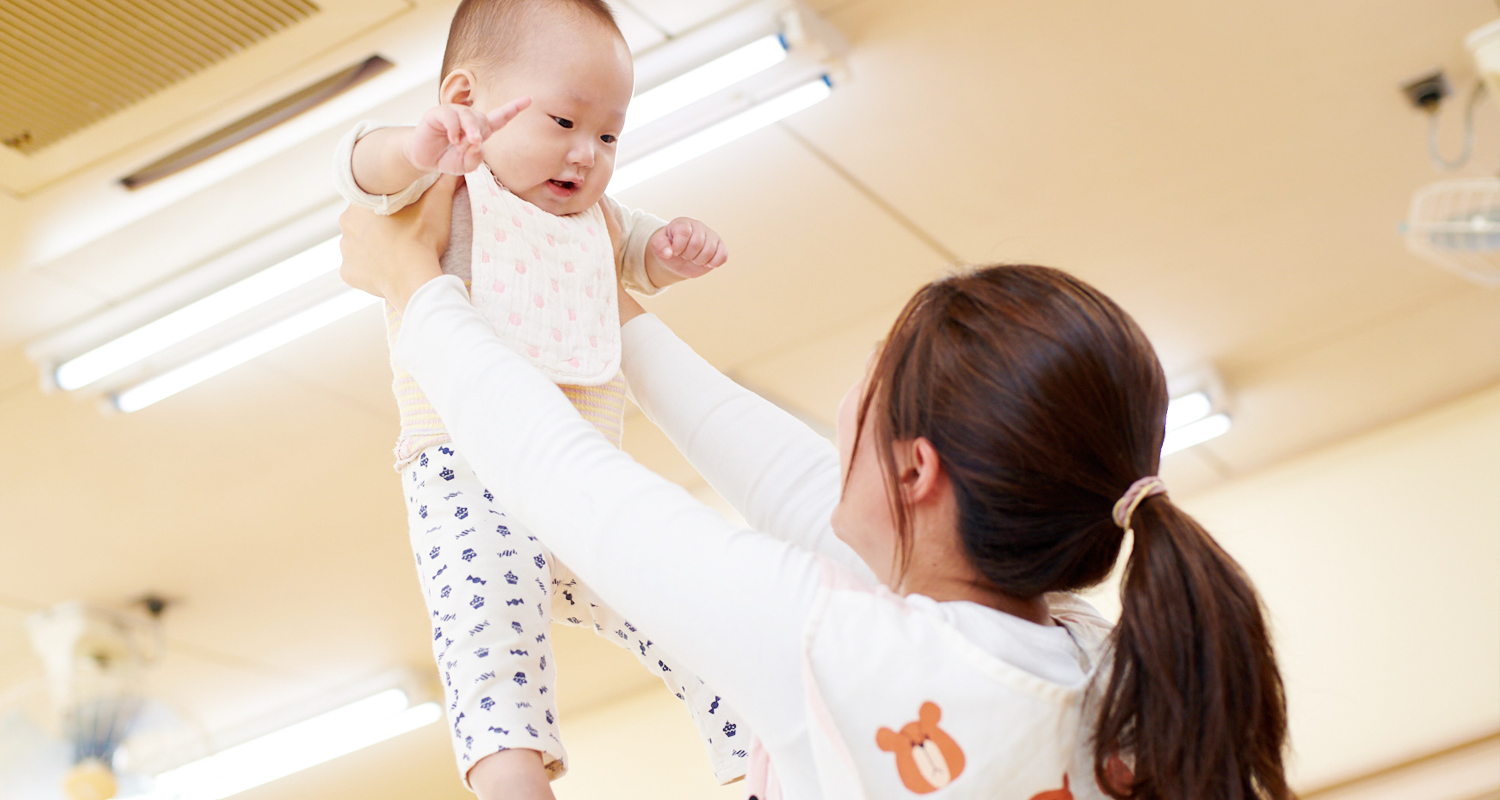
688	248
450	137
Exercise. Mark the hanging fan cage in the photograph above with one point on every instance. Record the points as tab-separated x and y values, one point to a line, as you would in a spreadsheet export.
87	729
1456	225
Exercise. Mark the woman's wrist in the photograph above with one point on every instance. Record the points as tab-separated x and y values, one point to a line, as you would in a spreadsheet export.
402	285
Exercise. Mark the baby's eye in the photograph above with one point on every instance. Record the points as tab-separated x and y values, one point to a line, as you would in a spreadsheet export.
566	123
608	138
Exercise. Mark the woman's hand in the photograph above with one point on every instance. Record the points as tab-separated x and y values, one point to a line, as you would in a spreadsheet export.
393	256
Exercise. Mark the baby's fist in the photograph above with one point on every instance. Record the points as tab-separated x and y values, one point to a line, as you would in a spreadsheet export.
688	248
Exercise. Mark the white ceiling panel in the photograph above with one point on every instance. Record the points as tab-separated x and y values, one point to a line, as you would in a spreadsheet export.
808	253
640	33
123	262
351	363
677	16
1237	164
309	500
33	302
811	378
1376	375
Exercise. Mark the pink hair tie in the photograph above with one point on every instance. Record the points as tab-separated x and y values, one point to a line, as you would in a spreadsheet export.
1138	491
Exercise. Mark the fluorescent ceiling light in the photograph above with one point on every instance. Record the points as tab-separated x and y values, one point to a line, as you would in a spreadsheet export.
694	85
1188	409
1195	433
186	322
1191	420
295	748
242	350
723	133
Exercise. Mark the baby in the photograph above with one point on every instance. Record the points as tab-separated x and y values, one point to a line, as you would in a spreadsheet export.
533	97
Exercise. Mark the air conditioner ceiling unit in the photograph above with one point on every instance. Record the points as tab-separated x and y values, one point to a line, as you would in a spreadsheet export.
90	80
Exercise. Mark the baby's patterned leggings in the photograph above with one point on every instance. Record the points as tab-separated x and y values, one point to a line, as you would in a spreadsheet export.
492	593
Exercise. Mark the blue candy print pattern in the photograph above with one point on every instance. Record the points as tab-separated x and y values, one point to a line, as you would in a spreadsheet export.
490	636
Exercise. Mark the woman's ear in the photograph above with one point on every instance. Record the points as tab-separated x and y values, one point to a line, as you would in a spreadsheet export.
922	473
458	88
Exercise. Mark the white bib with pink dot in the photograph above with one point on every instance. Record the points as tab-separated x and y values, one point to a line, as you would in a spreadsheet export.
545	283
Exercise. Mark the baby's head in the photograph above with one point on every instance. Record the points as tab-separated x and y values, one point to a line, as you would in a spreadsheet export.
569	56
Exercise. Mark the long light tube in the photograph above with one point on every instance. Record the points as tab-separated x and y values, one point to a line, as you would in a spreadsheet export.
696	84
295	748
713	137
1190	421
232	355
190	320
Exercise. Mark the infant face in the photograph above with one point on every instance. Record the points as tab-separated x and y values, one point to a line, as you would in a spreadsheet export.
559	153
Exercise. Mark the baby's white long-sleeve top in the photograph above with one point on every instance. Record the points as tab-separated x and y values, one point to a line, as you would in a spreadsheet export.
735	605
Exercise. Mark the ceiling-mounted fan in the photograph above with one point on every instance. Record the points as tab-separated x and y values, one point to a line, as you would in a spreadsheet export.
1456	223
86	729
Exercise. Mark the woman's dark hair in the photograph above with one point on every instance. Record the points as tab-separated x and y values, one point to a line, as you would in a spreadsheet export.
1045	402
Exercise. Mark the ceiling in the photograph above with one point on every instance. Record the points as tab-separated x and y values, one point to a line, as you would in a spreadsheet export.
1232	174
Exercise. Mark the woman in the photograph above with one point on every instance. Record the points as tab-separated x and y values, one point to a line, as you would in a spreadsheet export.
900	620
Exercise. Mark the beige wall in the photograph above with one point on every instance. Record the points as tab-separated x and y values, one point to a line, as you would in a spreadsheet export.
1379	558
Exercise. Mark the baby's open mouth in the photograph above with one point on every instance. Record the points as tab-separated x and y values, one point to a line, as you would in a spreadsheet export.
568	185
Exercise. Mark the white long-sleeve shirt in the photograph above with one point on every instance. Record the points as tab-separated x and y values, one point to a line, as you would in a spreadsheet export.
741	607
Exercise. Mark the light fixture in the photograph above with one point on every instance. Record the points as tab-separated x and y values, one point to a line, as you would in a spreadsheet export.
694	85
221	314
295	748
1196	412
1197	432
717	83
723	133
238	352
1187	409
195	318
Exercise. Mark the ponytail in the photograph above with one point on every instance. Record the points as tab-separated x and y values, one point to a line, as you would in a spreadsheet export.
1193	693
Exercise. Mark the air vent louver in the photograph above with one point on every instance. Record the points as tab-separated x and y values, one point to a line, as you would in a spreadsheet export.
66	64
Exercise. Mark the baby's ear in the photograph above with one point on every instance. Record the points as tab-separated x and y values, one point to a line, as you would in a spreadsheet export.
890	741
458	88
